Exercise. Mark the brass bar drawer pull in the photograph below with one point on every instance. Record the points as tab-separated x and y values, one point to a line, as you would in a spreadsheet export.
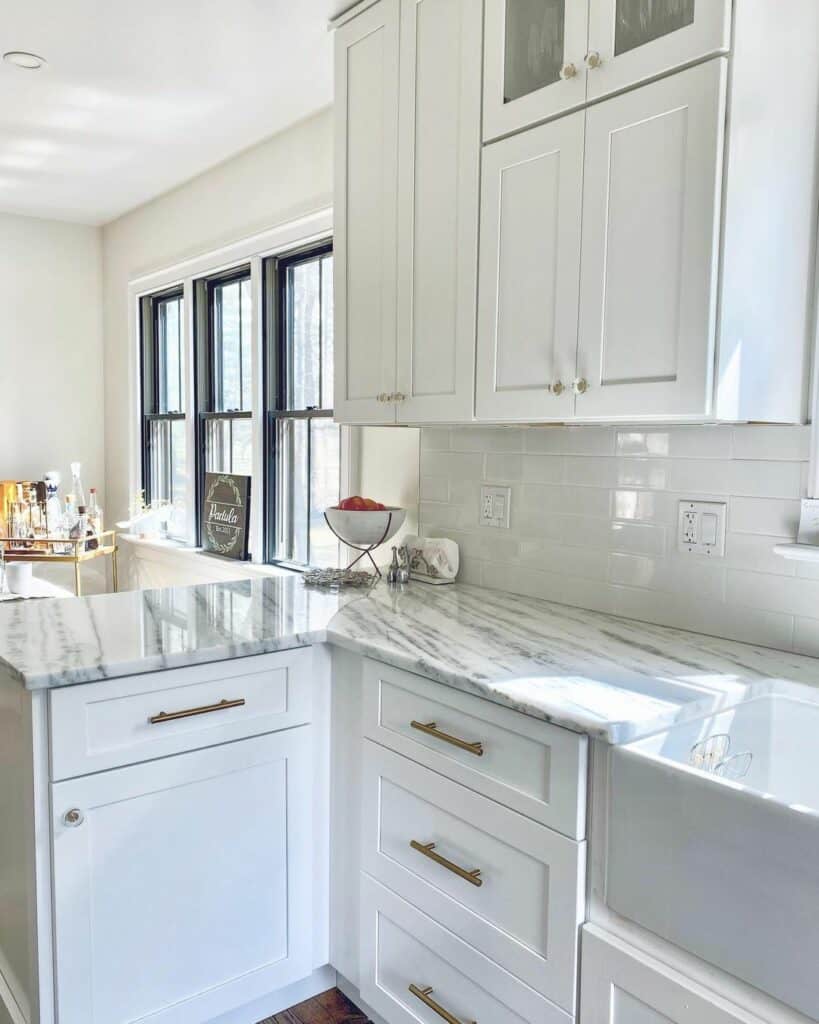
432	730
172	716
428	850
425	995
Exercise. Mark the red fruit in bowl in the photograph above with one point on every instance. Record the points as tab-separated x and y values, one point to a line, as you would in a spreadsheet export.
370	504
380	507
352	503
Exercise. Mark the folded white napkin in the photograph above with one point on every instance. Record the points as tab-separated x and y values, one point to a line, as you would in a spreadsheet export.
432	559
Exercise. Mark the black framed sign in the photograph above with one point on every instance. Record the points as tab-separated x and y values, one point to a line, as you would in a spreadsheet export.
226	514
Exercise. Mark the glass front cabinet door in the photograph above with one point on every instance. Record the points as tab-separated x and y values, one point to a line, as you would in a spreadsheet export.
534	67
634	40
545	57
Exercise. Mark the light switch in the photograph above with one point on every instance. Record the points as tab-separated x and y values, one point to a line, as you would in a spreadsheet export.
495	506
708	528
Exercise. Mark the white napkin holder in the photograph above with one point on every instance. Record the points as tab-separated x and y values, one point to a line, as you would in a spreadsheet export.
432	559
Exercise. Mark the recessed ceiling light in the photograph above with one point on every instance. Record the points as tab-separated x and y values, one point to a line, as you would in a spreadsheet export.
21	59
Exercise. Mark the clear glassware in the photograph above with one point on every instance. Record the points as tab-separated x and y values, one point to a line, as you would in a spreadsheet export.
76	483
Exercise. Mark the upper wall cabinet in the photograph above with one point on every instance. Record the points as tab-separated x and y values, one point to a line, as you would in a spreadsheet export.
648	286
366	161
407	219
544	57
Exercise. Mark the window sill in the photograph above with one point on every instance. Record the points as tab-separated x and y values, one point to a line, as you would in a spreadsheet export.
167	551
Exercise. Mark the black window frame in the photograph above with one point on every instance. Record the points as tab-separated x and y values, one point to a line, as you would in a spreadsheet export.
149	383
274	361
205	382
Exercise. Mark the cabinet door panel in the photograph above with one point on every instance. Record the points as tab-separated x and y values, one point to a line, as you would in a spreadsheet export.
439	164
529	45
366	111
641	39
185	889
622	985
653	170
529	272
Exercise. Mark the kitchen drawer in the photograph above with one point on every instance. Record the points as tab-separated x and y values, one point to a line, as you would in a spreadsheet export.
401	947
102	725
523	909
528	765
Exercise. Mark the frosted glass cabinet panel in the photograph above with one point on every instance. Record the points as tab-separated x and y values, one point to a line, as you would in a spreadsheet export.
633	40
533	61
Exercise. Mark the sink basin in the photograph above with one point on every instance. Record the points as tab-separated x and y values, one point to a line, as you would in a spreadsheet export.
714	840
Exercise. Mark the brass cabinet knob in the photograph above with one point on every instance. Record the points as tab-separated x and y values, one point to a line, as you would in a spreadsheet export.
593	59
580	386
557	388
73	817
568	71
398	397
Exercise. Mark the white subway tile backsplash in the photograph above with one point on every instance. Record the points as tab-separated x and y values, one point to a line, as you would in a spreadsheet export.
486	439
676	442
503	466
773	442
434	488
455	465
644	506
570	440
770	516
543	469
594	521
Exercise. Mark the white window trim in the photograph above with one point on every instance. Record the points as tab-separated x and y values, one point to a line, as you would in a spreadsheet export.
314	227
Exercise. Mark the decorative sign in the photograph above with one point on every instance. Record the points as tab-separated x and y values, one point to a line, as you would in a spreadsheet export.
226	514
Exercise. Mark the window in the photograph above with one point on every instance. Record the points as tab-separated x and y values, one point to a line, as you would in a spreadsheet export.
164	466
303	448
224	374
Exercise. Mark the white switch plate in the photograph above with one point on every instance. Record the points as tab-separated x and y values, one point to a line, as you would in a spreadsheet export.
701	528
495	506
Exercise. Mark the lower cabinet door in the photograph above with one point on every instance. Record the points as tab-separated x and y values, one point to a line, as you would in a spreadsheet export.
182	887
413	970
622	985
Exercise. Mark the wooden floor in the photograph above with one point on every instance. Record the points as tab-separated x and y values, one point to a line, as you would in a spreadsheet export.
331	1007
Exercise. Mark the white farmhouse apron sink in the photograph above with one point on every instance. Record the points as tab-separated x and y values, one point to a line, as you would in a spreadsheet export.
714	840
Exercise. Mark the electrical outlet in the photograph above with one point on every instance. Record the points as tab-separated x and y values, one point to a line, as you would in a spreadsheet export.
701	528
495	506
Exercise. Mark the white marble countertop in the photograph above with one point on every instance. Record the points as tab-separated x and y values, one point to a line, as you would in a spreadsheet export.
612	678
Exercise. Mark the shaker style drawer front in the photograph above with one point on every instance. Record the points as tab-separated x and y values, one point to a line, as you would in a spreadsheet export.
123	721
507	885
533	767
412	971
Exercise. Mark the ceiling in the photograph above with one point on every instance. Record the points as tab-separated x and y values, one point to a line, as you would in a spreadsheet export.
139	97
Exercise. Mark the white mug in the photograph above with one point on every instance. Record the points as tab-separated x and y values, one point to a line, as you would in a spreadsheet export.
18	578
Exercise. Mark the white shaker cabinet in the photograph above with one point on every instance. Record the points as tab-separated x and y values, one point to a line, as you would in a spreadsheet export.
366	183
408	97
648	287
533	62
182	886
631	41
439	168
622	985
532	194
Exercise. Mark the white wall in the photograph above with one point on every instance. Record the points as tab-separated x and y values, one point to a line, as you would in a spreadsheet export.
594	513
51	357
285	177
51	398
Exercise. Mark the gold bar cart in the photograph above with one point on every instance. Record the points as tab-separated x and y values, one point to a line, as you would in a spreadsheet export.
107	547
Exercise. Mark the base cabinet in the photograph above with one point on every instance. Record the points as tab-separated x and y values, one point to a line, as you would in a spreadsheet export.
622	985
182	886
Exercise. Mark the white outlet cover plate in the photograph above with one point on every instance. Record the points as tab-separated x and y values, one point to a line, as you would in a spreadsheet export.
495	506
706	520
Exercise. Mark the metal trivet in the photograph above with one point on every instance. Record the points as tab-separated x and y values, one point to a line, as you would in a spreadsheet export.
338	578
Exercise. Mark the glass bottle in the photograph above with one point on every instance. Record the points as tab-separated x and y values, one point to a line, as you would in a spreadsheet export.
76	483
94	521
